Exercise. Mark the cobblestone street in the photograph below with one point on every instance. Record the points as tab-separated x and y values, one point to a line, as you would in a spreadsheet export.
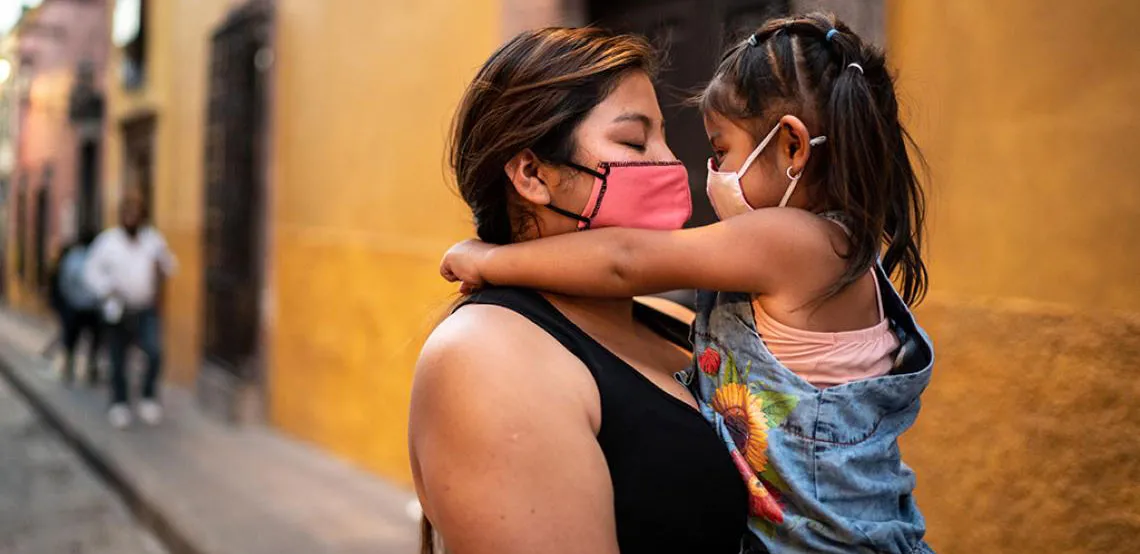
50	501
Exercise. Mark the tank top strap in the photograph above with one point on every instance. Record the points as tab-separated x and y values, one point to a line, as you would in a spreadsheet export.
840	219
667	327
536	308
837	218
878	295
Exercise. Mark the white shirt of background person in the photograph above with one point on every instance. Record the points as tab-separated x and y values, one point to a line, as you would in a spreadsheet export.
124	269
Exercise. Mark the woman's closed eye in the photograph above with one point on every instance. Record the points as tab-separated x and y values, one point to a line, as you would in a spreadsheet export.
639	147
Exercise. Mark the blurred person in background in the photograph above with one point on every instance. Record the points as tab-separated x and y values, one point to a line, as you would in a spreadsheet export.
126	269
57	303
547	423
81	309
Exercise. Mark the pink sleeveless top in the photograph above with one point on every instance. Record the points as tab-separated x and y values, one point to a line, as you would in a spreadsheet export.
829	359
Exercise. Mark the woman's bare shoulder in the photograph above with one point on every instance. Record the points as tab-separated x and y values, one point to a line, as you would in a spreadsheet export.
502	433
493	351
484	333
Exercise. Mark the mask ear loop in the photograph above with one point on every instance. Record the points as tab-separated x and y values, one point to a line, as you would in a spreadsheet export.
796	178
756	152
791	187
569	214
584	221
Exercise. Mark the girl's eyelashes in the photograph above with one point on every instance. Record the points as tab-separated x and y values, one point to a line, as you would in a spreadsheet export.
718	151
638	147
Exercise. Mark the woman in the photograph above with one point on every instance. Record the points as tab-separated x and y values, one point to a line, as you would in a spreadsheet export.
552	424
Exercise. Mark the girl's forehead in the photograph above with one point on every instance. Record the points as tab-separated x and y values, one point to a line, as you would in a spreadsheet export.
718	125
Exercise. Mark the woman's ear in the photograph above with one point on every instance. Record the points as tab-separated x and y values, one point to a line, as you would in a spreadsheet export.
795	144
531	178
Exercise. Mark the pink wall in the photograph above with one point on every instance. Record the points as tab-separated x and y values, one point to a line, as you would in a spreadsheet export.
52	41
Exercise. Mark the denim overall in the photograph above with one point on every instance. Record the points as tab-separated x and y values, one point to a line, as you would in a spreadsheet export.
823	465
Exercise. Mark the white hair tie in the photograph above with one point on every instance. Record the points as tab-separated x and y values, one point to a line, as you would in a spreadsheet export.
856	66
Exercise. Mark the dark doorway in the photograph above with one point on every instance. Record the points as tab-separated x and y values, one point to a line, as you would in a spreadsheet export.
691	35
22	228
43	203
235	172
138	151
88	216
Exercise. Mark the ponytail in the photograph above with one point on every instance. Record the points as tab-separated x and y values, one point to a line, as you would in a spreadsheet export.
870	169
858	162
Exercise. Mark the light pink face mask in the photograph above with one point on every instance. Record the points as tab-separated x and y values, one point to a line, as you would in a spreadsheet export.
635	195
725	191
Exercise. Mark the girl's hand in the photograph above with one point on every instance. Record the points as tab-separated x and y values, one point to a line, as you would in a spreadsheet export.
461	263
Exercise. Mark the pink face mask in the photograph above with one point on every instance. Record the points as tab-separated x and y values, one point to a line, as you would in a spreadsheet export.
635	195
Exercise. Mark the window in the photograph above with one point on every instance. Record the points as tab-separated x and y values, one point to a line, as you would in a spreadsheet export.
128	32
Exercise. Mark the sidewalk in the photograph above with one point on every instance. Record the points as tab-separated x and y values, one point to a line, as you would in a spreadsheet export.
207	488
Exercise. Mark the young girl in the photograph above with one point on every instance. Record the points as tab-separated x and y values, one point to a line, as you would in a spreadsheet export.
807	360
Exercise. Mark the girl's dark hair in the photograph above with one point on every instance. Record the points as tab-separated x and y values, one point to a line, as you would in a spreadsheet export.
802	66
532	93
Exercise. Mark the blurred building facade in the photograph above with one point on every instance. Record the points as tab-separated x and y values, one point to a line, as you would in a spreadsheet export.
51	132
292	154
9	127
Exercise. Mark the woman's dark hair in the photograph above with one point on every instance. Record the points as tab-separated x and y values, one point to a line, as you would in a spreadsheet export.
802	66
532	93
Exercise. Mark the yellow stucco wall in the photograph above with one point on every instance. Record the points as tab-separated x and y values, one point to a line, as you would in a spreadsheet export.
1027	112
175	91
361	210
123	104
360	205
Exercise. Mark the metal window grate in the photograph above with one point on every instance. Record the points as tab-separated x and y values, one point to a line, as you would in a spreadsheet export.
234	172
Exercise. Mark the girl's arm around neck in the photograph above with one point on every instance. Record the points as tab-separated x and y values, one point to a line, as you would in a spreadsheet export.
754	253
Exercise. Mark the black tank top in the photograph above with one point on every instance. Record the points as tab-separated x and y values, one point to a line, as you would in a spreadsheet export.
675	488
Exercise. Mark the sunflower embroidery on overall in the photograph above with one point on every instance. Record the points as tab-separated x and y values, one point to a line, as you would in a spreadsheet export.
749	411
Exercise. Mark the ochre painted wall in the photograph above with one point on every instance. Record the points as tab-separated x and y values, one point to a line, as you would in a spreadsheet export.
1027	112
124	104
175	92
362	210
